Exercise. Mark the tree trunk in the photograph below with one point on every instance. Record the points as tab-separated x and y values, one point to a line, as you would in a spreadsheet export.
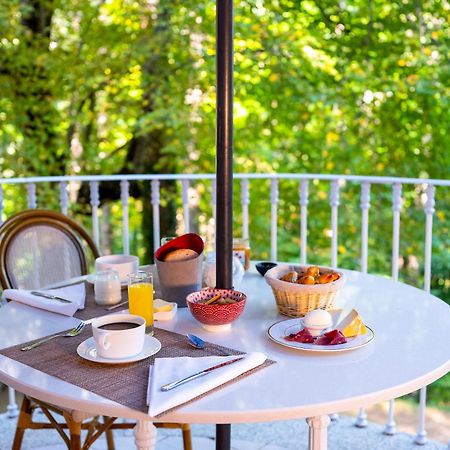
41	143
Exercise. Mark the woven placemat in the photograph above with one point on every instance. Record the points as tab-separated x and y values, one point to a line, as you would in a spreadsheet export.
123	383
91	309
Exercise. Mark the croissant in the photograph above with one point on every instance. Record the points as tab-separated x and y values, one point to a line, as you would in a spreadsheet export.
290	277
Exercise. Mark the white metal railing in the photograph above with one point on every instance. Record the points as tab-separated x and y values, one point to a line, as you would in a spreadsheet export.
245	181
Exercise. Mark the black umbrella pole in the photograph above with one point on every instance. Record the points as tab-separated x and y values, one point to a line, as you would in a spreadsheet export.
224	165
223	437
224	143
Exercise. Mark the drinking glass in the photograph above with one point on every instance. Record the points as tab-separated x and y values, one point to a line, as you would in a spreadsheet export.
140	297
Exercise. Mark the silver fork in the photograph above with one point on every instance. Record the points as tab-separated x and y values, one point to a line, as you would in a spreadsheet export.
71	333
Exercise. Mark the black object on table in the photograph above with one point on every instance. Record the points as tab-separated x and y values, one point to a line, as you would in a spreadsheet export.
264	266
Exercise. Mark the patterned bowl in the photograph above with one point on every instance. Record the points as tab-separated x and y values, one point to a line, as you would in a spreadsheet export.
216	317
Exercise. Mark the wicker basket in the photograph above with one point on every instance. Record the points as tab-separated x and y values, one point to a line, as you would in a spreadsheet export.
295	300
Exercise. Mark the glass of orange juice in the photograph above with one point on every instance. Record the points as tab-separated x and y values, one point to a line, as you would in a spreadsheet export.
140	297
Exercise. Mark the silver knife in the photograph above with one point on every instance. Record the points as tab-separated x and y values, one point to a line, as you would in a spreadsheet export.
174	384
51	297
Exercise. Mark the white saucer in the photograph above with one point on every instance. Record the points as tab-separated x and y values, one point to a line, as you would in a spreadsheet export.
88	351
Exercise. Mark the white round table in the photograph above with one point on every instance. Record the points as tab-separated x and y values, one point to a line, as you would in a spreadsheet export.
410	350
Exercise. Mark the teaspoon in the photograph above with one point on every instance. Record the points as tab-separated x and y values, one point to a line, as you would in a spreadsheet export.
199	343
195	341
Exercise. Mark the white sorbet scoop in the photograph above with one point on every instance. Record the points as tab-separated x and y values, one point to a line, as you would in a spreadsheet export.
316	321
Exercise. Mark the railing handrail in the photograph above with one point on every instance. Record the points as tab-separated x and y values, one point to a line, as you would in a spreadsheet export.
211	176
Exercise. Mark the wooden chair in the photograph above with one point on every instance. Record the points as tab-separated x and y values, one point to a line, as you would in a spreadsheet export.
37	248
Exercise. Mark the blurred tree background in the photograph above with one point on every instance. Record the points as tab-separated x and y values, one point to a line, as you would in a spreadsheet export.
128	86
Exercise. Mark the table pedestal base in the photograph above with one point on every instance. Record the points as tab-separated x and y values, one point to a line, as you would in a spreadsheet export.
145	435
318	432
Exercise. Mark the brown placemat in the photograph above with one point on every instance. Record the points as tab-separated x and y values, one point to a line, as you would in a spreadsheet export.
123	383
91	309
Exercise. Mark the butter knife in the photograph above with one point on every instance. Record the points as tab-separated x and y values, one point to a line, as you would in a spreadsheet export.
50	296
174	384
110	308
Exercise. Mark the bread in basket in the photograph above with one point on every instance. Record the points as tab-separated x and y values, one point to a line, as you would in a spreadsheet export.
295	300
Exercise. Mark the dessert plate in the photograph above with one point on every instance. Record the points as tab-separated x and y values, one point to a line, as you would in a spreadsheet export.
278	331
88	351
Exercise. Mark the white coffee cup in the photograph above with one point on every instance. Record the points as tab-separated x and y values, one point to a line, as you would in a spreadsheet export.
122	341
122	264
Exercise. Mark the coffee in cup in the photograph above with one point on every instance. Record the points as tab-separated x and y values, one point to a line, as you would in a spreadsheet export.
118	335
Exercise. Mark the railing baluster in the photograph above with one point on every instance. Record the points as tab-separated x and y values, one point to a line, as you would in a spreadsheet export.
365	206
361	419
245	201
124	197
156	199
273	219
12	408
303	219
32	204
212	229
334	203
185	199
1	204
214	199
95	202
63	197
421	437
397	202
429	211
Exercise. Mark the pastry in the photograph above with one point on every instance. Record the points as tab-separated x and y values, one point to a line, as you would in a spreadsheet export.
290	277
183	254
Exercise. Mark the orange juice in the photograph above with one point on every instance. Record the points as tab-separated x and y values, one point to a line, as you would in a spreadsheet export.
140	301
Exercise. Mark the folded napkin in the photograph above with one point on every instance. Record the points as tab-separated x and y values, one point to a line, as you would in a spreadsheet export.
75	293
167	370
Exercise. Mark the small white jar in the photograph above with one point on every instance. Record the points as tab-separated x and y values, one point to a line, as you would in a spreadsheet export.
107	288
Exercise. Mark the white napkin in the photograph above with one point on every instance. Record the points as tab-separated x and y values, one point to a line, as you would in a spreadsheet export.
75	293
167	370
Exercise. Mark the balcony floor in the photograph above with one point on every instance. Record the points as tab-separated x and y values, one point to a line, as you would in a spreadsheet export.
266	436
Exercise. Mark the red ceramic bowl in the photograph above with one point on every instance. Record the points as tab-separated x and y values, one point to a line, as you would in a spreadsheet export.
215	315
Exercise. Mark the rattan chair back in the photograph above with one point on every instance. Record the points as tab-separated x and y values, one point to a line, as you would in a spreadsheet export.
40	247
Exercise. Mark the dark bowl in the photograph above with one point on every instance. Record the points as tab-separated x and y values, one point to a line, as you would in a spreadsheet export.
263	267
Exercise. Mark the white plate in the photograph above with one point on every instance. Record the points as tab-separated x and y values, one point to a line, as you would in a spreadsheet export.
278	331
91	279
88	351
